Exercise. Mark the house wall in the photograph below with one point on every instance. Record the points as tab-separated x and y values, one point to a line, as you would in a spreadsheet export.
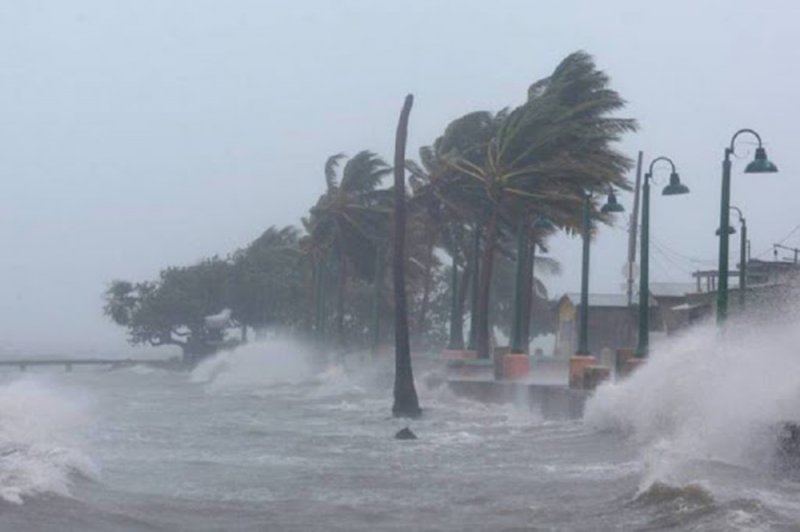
609	327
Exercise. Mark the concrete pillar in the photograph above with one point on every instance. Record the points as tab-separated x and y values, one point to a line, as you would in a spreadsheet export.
516	366
500	354
459	354
576	365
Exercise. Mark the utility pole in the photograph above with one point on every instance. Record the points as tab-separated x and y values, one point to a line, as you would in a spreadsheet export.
633	227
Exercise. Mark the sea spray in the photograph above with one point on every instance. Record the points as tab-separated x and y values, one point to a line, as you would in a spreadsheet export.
256	364
43	439
706	396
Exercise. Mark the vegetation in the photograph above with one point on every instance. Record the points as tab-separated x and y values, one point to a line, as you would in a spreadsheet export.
481	199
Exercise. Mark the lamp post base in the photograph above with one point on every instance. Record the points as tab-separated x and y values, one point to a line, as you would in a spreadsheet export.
459	354
576	365
516	366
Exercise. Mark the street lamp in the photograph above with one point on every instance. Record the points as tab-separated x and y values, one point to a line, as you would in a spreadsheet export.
742	257
611	206
759	165
674	188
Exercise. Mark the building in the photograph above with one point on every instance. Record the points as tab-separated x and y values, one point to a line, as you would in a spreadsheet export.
612	323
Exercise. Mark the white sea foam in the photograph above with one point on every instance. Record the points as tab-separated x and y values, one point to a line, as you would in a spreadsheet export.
43	439
705	396
255	365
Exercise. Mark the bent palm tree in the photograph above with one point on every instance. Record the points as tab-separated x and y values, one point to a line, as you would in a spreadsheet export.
546	152
350	220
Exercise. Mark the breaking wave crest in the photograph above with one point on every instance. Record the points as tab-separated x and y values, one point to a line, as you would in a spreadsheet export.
707	396
254	365
43	433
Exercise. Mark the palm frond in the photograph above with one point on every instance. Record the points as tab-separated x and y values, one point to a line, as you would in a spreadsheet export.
330	169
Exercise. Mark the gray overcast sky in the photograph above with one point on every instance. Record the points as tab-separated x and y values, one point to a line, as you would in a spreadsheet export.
140	134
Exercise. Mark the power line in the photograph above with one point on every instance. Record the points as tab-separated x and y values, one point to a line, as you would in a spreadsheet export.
694	260
675	265
781	241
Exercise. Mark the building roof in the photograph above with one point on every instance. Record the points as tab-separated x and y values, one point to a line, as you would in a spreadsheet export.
603	300
672	289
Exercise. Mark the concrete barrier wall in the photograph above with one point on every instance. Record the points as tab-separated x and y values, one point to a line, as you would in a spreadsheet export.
553	402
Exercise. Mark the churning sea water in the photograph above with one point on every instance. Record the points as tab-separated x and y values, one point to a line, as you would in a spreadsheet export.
261	440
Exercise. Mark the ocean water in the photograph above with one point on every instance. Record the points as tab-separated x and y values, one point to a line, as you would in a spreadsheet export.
261	439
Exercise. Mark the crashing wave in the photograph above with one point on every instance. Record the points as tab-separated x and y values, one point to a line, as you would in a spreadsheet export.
42	440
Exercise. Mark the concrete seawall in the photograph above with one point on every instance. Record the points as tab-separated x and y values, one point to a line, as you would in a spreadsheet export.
552	401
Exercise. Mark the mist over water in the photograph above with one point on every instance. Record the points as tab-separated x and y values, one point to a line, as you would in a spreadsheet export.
256	364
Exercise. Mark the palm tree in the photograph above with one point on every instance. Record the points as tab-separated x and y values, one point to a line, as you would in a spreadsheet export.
348	222
406	403
547	151
435	209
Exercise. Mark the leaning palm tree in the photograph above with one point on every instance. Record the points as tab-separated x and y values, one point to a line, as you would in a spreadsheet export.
434	207
349	220
548	152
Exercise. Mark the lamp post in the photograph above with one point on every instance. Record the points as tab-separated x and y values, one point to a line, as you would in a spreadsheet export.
611	206
674	188
760	164
582	357
742	257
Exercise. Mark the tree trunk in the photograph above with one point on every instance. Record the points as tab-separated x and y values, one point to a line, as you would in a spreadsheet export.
426	285
319	301
463	286
311	301
484	288
377	296
342	284
406	403
456	306
529	295
474	257
519	342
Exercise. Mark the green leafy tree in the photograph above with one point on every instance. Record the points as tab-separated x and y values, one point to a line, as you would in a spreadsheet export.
172	310
268	285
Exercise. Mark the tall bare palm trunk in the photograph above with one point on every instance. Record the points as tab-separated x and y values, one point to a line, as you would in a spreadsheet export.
406	403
